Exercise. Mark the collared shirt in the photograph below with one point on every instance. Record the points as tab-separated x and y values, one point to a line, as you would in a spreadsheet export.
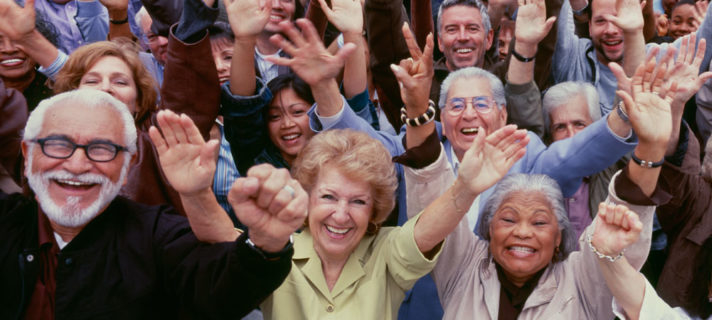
225	175
77	22
511	297
474	212
41	304
371	285
268	70
577	207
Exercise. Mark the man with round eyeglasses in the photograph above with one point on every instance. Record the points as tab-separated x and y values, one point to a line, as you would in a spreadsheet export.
78	250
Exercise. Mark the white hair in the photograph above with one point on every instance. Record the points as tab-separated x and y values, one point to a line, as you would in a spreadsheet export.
89	98
473	73
560	95
539	183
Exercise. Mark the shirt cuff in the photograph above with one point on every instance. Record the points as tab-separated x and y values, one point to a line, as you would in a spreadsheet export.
627	138
328	122
421	156
57	65
628	191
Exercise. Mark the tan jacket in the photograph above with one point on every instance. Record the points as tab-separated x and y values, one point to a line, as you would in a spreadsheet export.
466	277
372	283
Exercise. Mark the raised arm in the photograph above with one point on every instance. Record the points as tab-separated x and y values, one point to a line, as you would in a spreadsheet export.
18	24
531	27
119	14
415	76
347	16
268	201
629	17
687	80
247	19
313	63
523	97
617	228
485	163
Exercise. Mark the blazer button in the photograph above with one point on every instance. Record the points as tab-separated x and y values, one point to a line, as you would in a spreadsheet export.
330	308
68	261
30	258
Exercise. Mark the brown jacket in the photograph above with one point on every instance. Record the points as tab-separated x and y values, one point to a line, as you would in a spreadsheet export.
13	116
190	86
687	221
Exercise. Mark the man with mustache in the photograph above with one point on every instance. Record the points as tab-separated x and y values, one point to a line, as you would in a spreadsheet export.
80	251
616	29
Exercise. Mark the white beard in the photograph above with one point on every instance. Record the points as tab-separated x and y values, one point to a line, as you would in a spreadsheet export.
71	214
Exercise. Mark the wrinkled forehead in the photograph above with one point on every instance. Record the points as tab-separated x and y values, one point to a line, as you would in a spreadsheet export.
82	123
527	202
460	15
470	87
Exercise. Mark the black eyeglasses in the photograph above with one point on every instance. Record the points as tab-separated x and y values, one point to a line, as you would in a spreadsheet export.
63	148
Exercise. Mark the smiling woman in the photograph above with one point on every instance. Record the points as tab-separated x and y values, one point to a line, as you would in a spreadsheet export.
345	265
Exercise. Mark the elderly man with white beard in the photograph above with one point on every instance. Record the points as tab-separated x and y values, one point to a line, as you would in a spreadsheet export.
79	251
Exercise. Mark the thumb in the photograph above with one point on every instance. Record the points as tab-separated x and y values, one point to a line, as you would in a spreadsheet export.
208	153
549	23
613	19
618	71
345	51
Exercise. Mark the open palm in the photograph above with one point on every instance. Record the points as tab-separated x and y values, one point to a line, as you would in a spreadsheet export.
489	159
188	162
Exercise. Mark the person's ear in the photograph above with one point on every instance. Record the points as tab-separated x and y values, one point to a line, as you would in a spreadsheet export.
132	162
489	39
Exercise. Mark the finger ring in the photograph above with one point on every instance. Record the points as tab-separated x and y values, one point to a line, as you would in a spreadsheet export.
656	93
289	189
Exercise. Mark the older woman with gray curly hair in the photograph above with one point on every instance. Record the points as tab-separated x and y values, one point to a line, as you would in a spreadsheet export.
523	267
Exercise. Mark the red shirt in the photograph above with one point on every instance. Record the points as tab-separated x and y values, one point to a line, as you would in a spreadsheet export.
41	305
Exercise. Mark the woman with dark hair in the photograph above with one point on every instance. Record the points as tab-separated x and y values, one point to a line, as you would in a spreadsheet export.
268	123
18	69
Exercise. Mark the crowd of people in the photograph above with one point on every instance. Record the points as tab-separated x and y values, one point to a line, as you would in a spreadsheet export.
355	159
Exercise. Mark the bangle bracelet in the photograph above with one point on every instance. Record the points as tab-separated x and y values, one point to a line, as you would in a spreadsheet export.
521	57
645	163
422	119
125	20
601	255
621	112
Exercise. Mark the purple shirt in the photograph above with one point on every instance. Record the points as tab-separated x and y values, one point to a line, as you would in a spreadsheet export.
77	22
577	207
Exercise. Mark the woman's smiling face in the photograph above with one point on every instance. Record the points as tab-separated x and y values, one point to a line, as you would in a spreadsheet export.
524	234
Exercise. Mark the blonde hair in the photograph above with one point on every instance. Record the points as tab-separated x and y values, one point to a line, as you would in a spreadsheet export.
82	59
358	157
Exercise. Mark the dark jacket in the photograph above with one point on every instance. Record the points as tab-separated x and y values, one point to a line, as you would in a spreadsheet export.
687	221
190	86
133	261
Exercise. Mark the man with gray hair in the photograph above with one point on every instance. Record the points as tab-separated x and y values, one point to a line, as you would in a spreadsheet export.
570	107
77	250
464	35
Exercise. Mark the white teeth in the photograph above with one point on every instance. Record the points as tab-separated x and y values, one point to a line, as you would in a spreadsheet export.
522	249
469	130
72	183
464	50
291	136
612	43
11	61
337	230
